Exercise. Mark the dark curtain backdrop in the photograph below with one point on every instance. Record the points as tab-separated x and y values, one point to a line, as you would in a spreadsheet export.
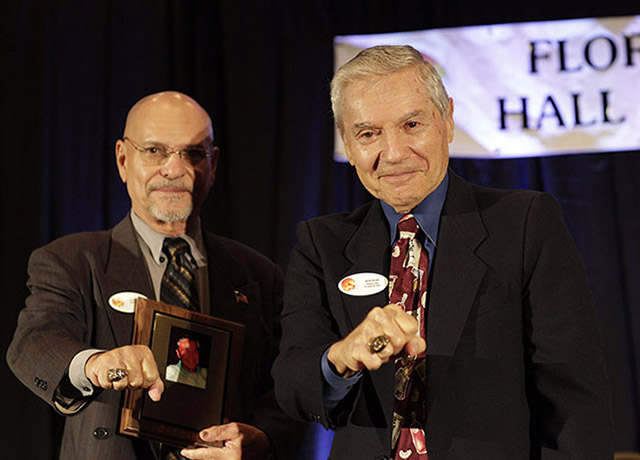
71	70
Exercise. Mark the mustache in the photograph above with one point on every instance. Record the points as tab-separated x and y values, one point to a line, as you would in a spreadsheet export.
169	184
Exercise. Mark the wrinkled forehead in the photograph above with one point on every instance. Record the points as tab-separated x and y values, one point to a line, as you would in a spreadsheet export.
396	96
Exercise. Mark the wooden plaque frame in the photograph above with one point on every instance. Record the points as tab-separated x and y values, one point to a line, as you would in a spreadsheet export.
185	408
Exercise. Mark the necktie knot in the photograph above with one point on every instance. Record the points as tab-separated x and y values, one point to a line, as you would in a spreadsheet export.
174	247
407	226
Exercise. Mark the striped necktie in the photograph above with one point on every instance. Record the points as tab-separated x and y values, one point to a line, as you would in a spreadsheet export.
179	281
178	288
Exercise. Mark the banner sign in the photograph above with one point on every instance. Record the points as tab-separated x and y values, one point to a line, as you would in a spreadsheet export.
531	89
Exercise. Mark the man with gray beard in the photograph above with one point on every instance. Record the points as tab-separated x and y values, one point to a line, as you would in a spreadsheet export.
71	346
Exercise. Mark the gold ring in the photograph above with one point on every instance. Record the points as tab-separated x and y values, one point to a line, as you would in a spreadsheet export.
378	344
115	375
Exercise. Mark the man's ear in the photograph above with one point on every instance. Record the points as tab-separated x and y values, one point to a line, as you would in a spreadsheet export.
450	125
214	163
121	159
178	354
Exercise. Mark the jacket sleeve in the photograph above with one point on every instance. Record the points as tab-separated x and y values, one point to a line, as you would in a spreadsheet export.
51	330
567	385
308	330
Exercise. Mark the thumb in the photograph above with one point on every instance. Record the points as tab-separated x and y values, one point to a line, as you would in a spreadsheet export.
415	346
210	434
156	389
225	432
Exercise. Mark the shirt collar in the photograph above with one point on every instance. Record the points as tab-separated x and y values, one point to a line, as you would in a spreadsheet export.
182	369
154	240
427	213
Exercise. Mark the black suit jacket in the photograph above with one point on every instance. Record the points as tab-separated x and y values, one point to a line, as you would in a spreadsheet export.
71	280
514	364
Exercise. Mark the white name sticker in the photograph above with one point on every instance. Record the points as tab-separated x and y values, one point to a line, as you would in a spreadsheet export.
125	302
362	284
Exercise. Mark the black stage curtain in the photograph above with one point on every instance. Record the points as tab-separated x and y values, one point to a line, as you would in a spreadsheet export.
71	69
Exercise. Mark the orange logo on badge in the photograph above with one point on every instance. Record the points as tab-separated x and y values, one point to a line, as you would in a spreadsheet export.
348	284
117	302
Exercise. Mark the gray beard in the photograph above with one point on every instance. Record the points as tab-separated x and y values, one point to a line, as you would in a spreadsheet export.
169	216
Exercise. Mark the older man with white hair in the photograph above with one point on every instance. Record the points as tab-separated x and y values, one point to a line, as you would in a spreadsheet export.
441	320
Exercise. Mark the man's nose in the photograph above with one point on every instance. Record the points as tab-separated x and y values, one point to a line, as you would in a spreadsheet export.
174	166
394	148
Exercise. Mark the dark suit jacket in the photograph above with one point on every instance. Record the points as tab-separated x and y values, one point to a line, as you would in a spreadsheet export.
514	365
71	280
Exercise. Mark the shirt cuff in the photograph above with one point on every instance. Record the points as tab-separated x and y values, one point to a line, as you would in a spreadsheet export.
335	386
77	376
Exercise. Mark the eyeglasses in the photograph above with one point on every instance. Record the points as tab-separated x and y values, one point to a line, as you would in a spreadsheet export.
158	154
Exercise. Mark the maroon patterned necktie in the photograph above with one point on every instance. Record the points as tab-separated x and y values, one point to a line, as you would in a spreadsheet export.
408	288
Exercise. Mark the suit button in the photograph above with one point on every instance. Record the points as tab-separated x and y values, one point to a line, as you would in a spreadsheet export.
101	432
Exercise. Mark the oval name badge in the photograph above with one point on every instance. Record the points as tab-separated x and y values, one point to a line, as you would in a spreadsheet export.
125	302
361	284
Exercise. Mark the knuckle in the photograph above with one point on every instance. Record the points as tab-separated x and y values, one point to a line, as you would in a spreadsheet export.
392	309
397	341
406	321
362	336
412	328
375	313
139	350
373	363
361	339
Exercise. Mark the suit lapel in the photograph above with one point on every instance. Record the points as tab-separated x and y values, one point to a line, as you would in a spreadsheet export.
363	253
457	270
457	275
230	293
125	271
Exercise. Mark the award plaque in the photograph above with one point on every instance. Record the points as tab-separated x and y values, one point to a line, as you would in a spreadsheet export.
199	389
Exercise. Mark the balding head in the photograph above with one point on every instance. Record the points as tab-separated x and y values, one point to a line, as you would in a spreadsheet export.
160	110
167	190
